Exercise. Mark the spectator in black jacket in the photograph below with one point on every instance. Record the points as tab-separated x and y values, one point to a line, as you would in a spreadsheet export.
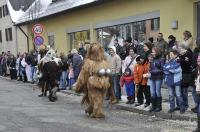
195	67
33	63
185	59
81	50
127	45
119	50
12	67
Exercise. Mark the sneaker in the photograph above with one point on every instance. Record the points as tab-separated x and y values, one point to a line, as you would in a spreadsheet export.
138	104
194	110
171	110
146	105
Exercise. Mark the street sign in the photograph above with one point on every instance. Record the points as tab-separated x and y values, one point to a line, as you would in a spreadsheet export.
37	29
38	40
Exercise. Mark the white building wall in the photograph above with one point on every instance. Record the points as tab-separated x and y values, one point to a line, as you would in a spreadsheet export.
6	22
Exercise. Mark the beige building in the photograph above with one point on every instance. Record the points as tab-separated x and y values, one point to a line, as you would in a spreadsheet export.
11	36
7	30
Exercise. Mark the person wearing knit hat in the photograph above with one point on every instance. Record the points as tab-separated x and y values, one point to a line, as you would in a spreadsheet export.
113	48
115	66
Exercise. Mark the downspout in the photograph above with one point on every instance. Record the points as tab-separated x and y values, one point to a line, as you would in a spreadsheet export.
27	37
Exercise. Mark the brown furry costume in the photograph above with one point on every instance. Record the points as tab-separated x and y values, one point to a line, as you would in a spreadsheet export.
93	85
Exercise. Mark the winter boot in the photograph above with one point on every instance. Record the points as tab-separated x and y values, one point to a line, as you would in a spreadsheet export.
158	104
198	124
132	101
153	104
194	109
128	100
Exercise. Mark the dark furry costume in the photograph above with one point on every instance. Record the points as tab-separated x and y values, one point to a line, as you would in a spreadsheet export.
50	68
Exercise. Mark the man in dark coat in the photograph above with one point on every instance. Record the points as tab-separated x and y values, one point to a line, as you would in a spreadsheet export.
119	50
76	63
81	50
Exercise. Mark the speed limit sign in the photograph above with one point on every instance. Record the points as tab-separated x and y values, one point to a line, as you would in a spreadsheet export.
37	29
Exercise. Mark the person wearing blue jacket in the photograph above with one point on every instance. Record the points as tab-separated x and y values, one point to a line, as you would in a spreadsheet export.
156	77
173	76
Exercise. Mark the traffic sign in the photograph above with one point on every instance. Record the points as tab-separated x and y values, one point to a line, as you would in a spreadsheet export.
37	29
38	40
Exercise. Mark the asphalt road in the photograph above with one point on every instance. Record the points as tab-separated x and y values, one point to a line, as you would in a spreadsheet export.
22	111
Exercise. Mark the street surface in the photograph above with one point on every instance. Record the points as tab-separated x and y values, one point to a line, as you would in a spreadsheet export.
22	111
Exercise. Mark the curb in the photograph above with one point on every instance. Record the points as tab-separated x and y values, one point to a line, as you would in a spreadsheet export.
163	114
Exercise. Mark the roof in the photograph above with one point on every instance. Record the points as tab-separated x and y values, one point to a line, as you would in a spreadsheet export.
43	8
17	4
18	7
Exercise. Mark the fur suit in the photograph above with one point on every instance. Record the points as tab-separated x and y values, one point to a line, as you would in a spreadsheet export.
92	84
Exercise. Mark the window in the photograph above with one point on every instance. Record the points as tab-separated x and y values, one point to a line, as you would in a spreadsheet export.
5	10
0	36
136	30
155	24
198	19
71	40
0	12
51	41
77	37
8	33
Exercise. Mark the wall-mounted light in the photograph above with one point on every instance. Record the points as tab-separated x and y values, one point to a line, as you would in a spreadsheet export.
174	24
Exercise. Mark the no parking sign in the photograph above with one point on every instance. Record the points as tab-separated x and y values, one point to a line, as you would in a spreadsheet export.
38	40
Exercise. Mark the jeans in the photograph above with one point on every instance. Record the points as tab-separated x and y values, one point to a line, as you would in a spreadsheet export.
32	73
130	89
194	95
115	80
155	88
63	80
198	104
71	82
184	91
175	91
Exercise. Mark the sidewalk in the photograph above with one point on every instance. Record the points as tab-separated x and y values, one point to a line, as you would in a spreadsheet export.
187	116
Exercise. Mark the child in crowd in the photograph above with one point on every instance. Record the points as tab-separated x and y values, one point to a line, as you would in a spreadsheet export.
173	76
140	80
127	79
71	77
